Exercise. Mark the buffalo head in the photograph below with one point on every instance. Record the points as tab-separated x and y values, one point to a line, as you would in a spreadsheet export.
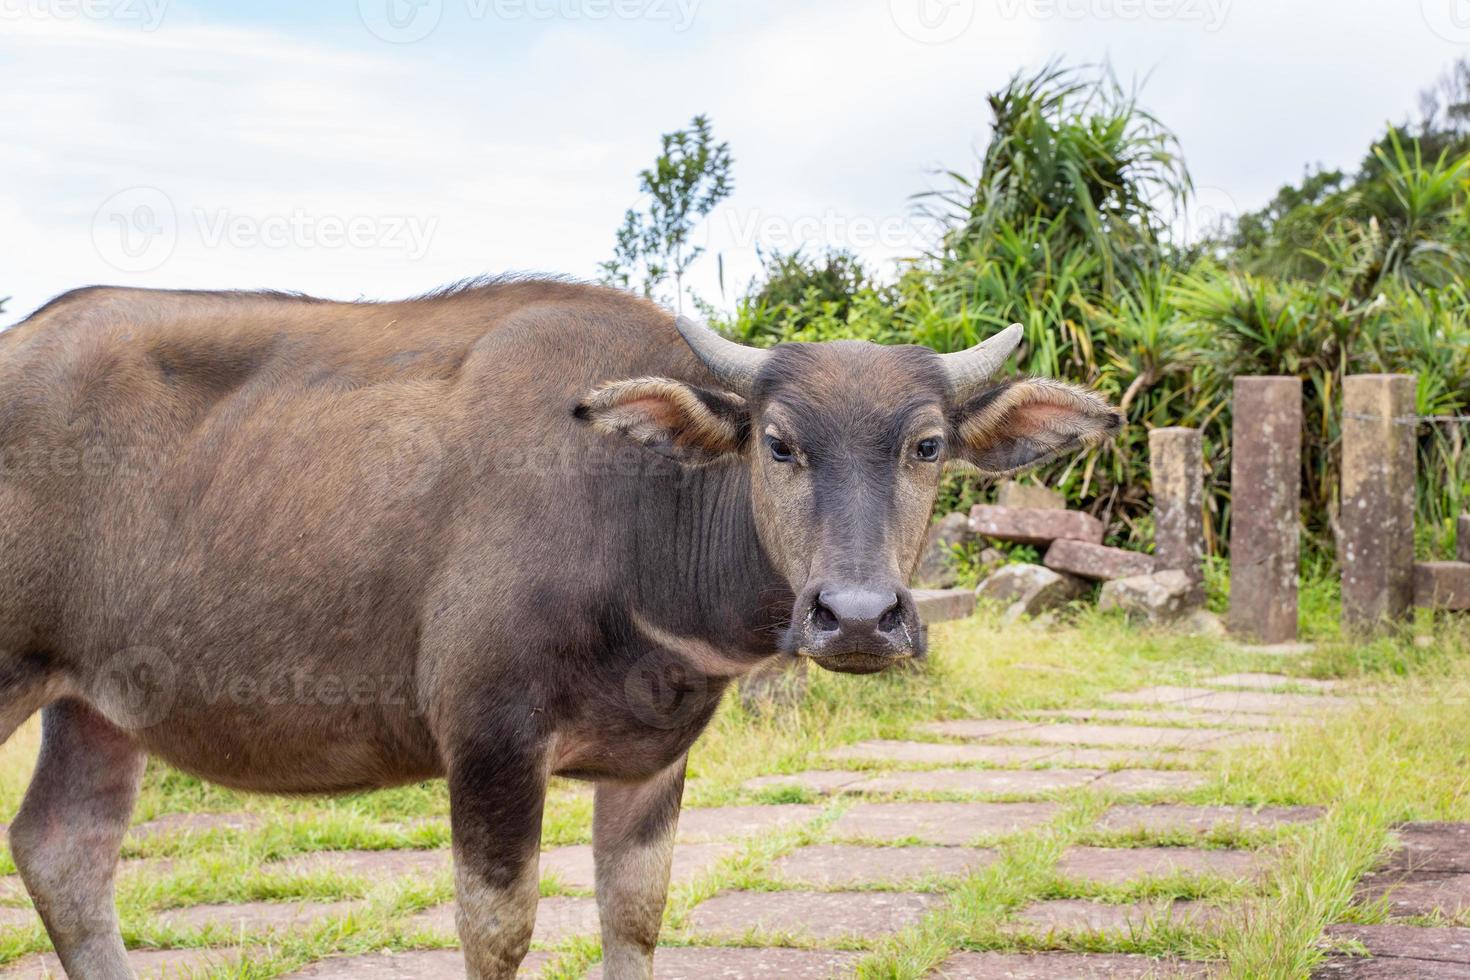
845	443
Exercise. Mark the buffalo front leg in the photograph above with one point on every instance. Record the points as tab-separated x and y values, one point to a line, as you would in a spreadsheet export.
633	844
67	835
497	789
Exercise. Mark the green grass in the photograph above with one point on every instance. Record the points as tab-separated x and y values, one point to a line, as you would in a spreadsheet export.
1402	753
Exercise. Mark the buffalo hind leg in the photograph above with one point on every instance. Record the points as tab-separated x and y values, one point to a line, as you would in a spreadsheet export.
66	837
497	790
633	828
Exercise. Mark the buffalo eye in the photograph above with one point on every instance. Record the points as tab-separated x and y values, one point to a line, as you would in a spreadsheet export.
928	449
781	450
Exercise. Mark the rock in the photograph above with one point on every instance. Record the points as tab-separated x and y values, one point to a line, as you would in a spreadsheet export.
1442	585
1030	526
1202	622
1014	494
939	605
1162	597
1096	561
992	557
936	562
1029	590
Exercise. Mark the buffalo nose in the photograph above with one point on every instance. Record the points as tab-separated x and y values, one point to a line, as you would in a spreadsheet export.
857	611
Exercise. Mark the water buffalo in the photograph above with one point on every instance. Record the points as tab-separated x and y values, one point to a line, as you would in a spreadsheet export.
508	530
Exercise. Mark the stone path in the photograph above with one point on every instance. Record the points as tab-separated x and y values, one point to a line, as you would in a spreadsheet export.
888	833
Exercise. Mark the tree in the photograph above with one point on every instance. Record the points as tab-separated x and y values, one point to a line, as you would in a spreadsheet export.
688	179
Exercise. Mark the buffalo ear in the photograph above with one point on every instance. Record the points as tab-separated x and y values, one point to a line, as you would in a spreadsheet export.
676	420
1019	424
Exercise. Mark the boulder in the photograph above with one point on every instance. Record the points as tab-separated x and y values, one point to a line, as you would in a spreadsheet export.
1026	525
1028	590
1096	561
1034	496
936	562
1162	597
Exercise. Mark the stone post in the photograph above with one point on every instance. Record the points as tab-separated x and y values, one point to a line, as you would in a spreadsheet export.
1265	511
1177	460
1377	516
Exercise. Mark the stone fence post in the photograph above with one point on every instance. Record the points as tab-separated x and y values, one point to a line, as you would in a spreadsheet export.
1377	505
1177	461
1265	511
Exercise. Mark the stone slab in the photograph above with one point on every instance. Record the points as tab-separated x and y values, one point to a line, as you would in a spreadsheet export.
557	920
1443	847
1069	966
1164	694
1442	585
572	866
1169	818
989	782
1365	968
1095	561
1073	916
258	916
941	753
185	824
943	605
1116	736
976	728
1025	525
939	823
705	824
717	963
148	964
1447	945
1150	781
1123	865
14	918
375	865
853	866
1165	716
1265	703
1127	758
1013	493
811	915
435	964
818	782
1417	893
1272	682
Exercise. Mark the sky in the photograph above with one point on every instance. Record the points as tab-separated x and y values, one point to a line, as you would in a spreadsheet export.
380	148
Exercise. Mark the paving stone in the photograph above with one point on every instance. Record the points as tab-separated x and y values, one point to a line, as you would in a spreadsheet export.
975	727
1078	916
716	963
1025	525
1443	847
258	916
819	782
1257	702
852	866
557	919
1150	781
1096	561
814	915
573	866
13	918
1450	945
1417	893
375	865
979	781
1270	682
1122	865
1160	695
939	823
148	964
1125	736
942	605
196	823
11	887
1141	759
1165	818
1364	968
1165	716
704	824
938	753
1068	966
1282	650
436	964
